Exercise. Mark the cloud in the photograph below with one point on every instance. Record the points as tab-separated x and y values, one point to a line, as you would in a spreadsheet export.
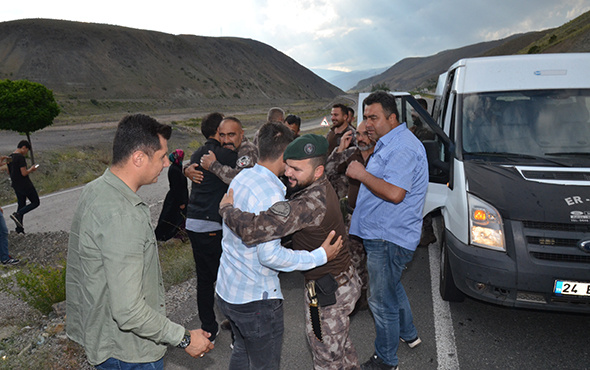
334	34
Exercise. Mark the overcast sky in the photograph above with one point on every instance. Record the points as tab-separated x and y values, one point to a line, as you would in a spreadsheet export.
328	34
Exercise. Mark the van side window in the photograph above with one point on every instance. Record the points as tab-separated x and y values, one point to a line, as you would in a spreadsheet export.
445	98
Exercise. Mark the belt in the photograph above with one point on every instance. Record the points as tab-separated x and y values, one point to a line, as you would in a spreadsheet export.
344	277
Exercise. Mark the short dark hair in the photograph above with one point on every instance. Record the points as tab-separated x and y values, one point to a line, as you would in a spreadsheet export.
319	160
350	111
138	132
24	143
273	139
342	107
386	100
293	120
210	124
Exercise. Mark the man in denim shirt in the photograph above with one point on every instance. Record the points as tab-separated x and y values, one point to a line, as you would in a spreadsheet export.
388	218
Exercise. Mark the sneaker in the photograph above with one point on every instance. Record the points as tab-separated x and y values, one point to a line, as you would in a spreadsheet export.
375	363
18	219
412	343
11	261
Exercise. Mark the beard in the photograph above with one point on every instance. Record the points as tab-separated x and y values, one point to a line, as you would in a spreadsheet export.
292	189
365	147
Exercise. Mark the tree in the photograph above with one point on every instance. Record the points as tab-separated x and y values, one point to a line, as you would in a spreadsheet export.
382	86
26	107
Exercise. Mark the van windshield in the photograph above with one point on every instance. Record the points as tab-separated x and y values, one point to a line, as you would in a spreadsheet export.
536	123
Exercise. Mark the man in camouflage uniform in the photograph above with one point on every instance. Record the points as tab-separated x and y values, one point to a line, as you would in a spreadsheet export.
232	137
348	189
311	213
340	125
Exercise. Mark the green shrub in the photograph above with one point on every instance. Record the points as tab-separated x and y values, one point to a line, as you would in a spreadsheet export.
39	286
176	259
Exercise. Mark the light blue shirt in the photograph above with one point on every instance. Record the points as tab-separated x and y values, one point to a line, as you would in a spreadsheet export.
400	159
250	273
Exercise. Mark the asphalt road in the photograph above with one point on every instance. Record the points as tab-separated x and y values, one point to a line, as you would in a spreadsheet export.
468	335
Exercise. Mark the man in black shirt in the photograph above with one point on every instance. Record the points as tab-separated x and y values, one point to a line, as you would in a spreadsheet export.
203	222
21	183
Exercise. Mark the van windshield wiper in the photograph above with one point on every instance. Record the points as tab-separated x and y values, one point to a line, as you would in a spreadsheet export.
583	154
521	156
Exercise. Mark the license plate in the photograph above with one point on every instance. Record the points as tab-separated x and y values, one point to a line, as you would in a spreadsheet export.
564	287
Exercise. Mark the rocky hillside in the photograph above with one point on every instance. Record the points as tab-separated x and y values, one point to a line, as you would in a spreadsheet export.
422	73
95	61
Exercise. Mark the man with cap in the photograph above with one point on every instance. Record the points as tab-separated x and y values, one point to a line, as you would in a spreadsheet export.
248	286
312	211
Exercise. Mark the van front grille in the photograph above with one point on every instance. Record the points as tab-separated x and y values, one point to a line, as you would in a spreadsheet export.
556	241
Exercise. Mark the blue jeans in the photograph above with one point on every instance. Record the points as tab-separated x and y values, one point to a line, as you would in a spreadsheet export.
114	364
258	333
3	239
388	301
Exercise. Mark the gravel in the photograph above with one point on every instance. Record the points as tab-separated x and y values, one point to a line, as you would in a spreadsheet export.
30	339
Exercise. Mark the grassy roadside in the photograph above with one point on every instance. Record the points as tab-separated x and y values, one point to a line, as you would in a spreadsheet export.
71	165
38	341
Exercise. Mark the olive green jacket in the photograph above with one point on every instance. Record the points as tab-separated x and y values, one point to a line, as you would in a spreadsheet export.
115	294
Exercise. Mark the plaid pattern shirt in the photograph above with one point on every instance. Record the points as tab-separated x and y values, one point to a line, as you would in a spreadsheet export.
249	273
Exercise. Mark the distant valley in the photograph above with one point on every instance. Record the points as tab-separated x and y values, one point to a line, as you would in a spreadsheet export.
96	67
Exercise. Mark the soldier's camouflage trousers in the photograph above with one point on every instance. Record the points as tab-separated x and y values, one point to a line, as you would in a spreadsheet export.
358	255
336	351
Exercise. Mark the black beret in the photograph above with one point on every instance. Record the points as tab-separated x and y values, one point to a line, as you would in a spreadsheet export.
306	146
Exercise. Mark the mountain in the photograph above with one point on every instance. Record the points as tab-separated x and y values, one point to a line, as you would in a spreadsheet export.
347	80
413	74
96	61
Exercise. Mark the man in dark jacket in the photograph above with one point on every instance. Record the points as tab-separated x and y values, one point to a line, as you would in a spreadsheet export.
203	222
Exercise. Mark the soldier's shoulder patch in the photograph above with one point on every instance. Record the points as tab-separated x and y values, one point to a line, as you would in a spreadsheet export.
243	161
281	208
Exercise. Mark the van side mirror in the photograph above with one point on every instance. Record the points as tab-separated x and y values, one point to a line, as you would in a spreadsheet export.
436	167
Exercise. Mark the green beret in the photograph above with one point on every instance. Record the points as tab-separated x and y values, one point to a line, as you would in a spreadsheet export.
306	146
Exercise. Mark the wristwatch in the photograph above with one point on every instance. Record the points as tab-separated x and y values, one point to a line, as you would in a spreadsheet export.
186	340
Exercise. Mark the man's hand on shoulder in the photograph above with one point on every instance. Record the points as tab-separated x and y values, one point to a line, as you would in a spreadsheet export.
228	199
332	249
200	343
193	174
207	160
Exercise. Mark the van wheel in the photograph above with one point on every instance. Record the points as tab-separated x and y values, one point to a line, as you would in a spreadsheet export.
448	290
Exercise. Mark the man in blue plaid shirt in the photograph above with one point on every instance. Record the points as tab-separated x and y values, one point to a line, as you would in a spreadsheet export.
248	285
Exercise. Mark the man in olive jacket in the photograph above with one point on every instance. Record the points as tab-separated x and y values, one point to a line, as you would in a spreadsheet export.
115	294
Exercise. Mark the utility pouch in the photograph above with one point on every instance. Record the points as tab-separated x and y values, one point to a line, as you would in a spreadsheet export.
326	287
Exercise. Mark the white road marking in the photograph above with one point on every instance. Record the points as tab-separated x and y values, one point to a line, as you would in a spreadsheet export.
446	348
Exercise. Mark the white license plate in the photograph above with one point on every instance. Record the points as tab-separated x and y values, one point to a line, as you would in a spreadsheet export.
571	288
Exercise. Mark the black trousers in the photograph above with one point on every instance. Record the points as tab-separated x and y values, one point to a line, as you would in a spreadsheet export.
207	252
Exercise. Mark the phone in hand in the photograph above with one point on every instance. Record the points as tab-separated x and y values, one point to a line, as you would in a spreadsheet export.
36	166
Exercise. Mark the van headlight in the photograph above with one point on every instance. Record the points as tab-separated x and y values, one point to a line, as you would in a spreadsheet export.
485	225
